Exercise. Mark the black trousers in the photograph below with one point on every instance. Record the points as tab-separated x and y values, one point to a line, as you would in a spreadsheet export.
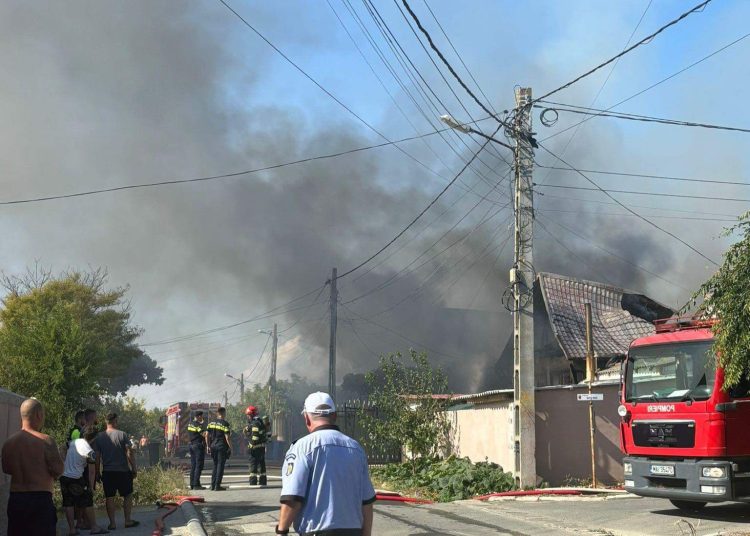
258	466
197	460
219	456
31	513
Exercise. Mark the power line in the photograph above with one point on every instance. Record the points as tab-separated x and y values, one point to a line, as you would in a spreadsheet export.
652	86
458	55
643	41
561	107
662	208
450	67
268	314
592	182
633	192
615	255
650	176
610	214
413	221
326	91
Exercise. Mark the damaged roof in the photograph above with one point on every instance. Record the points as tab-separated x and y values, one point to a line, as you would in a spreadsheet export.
619	316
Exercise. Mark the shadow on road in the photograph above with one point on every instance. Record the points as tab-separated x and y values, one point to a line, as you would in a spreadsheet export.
217	512
729	513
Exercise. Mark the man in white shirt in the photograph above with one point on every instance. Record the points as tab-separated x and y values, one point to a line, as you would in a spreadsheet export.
326	487
77	483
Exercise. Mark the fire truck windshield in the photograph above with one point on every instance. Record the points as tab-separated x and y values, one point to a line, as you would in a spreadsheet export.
674	371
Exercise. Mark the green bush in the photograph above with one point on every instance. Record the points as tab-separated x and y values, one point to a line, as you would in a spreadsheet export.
150	485
445	480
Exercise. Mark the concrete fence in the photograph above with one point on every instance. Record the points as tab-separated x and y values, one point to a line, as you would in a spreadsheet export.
483	430
10	422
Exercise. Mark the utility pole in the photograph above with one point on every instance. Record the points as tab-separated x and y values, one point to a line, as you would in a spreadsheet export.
522	277
272	379
226	399
590	375
332	345
242	388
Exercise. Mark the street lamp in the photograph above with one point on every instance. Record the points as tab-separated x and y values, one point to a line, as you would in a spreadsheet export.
466	129
240	381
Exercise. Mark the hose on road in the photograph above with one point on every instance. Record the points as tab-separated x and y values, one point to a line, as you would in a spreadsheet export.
171	503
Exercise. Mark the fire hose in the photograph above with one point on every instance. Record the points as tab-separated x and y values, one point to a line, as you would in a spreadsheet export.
171	503
399	498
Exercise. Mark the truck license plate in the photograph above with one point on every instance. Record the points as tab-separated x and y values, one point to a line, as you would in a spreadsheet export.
662	470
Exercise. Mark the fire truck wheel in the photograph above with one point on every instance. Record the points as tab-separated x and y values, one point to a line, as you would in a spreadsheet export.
690	506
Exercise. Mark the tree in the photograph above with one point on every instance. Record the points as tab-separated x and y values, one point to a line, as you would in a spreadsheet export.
408	414
68	341
726	295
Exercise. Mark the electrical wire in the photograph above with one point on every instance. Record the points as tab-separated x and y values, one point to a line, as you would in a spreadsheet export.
651	176
619	257
652	86
413	221
633	192
326	91
652	224
560	107
622	214
450	67
643	41
268	314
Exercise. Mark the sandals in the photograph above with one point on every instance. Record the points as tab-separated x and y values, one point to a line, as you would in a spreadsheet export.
132	524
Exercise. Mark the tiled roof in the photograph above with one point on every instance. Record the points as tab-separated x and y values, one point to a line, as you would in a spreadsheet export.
614	327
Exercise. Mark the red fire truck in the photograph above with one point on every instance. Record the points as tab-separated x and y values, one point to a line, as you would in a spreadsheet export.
178	417
684	438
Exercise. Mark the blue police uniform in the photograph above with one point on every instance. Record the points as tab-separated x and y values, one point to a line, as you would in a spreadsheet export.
327	472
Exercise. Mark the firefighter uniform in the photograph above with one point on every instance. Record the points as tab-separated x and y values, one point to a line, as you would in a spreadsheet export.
196	430
257	432
218	442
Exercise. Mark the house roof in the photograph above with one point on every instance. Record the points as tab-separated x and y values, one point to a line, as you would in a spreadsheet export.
619	316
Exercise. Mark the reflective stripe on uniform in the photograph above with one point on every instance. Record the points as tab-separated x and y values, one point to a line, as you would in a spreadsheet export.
196	429
219	427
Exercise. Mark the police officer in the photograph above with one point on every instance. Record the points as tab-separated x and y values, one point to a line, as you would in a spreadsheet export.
256	433
326	487
197	438
218	442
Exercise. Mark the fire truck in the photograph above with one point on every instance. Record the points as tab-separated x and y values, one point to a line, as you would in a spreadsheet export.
177	418
684	437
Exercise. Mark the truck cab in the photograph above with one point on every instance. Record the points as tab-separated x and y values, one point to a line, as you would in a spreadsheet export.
684	437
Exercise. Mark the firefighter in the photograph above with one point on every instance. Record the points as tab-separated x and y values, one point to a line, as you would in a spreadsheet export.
256	433
197	436
219	434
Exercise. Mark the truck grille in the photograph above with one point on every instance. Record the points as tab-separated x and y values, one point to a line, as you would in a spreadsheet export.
669	434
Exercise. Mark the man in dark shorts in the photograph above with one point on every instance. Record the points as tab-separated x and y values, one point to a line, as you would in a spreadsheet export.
114	455
77	482
33	462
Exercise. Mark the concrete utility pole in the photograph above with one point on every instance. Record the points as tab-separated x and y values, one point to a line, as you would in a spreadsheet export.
242	388
226	399
590	376
272	379
522	277
332	344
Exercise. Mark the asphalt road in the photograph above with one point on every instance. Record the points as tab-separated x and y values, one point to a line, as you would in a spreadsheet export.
241	510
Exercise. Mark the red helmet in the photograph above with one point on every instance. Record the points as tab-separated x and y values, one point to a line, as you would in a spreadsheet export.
251	411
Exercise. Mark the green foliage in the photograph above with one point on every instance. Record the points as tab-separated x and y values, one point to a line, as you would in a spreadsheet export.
727	296
151	485
68	341
407	413
445	480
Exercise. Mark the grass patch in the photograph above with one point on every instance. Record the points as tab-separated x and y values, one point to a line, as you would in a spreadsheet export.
150	486
445	480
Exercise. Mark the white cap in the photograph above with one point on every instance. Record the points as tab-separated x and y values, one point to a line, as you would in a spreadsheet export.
319	404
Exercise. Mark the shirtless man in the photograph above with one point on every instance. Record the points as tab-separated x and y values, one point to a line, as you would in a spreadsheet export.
33	462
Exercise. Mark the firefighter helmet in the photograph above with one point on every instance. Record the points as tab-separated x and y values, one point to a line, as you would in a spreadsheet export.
251	411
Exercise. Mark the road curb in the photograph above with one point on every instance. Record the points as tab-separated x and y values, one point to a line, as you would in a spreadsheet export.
192	519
